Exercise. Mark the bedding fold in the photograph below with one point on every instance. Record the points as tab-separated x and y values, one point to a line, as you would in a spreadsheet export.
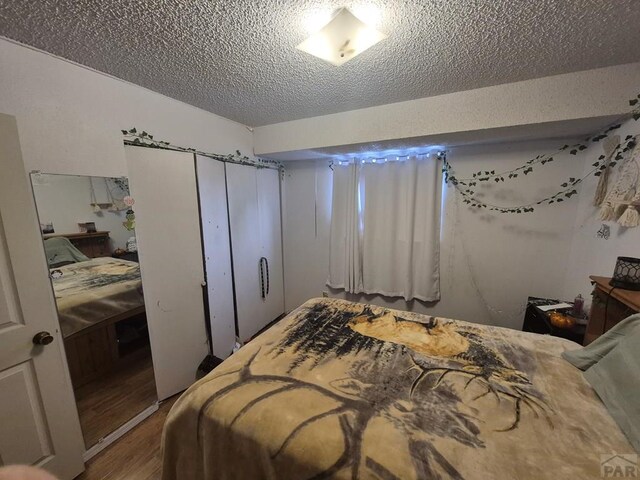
585	357
612	368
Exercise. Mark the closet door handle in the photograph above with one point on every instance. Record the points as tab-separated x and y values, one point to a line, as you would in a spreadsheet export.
267	262
263	293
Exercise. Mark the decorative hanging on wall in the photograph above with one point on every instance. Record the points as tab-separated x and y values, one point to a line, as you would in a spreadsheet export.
609	145
144	139
630	217
130	223
604	232
112	207
623	201
95	206
117	189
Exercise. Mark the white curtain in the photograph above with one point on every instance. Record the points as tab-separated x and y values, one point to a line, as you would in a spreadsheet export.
345	248
397	209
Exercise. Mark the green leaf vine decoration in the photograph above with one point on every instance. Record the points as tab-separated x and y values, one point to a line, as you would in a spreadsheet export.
144	139
122	183
465	186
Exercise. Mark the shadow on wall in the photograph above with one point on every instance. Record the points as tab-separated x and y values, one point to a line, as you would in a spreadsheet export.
514	229
531	233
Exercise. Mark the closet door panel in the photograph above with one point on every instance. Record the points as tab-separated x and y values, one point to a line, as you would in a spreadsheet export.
217	254
245	243
271	240
163	184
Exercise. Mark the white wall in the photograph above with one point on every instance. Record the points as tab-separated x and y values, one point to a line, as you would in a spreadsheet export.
579	95
490	262
591	255
65	201
69	117
306	218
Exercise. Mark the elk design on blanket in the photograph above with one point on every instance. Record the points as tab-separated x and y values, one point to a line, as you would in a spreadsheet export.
422	383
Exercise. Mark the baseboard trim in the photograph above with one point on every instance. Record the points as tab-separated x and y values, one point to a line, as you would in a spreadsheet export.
104	442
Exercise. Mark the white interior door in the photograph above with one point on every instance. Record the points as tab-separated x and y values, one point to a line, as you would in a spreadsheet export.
217	254
244	223
163	185
271	240
38	418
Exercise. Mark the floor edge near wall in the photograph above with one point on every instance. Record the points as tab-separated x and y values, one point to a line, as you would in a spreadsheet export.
119	432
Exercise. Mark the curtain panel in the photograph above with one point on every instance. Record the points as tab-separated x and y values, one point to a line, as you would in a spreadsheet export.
385	228
345	247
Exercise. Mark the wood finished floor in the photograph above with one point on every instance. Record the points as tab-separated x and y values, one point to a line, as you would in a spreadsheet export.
135	456
107	403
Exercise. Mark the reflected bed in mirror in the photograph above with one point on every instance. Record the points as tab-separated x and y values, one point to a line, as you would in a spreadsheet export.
93	263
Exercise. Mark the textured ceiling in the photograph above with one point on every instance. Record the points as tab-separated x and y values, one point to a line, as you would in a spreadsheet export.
237	58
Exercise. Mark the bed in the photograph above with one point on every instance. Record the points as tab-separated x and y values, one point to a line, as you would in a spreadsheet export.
100	304
94	290
344	390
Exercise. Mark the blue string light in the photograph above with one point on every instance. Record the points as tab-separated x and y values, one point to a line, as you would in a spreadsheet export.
389	156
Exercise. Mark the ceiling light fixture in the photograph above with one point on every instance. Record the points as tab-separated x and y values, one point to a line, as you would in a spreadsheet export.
344	37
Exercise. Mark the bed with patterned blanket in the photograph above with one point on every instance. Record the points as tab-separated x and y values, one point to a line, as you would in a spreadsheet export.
95	290
345	390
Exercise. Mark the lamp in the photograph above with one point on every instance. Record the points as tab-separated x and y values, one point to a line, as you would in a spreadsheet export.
344	37
626	274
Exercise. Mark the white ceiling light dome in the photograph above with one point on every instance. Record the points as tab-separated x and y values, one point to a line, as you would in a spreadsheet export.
340	40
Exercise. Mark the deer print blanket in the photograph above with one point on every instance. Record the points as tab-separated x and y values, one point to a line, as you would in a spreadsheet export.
91	291
345	390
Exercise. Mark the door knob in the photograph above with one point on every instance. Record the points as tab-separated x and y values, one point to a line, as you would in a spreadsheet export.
42	338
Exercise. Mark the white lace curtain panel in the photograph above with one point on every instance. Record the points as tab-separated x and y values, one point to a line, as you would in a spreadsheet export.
385	228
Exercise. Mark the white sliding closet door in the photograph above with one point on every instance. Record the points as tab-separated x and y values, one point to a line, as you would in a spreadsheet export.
245	243
254	216
217	253
271	240
163	185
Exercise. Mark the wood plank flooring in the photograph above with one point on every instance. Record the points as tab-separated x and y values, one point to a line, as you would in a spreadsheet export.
135	456
107	403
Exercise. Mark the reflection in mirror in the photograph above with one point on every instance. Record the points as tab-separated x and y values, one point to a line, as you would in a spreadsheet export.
92	256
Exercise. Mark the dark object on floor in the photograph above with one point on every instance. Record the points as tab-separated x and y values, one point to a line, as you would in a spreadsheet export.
209	363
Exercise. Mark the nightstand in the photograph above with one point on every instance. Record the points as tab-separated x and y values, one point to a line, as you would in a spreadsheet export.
537	321
609	306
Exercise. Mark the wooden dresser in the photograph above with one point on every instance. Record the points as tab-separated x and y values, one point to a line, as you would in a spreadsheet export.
608	307
92	244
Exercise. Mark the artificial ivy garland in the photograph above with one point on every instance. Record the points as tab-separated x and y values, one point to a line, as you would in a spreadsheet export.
464	186
144	139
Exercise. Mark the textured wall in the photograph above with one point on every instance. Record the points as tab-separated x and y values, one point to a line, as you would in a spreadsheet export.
65	201
531	103
69	117
490	263
591	255
237	58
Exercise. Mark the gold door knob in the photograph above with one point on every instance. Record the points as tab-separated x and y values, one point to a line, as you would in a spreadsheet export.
42	338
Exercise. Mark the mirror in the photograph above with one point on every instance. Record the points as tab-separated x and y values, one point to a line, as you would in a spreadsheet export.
90	247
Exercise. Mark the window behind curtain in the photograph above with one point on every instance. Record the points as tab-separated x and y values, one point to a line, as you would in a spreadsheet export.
385	228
